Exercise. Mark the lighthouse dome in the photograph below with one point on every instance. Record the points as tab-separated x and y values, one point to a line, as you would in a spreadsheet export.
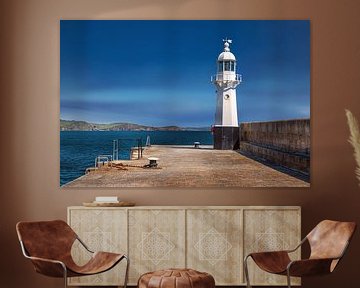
226	55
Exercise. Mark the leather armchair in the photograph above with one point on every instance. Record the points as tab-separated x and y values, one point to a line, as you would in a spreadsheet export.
48	245
328	242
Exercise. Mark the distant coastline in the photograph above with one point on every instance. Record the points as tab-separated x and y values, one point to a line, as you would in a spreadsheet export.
74	125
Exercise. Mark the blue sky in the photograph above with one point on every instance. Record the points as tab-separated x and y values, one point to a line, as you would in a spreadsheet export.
158	72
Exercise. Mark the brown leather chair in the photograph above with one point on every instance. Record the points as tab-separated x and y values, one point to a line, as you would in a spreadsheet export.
48	245
328	242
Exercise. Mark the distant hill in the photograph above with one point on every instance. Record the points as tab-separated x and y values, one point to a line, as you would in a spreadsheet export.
73	125
66	125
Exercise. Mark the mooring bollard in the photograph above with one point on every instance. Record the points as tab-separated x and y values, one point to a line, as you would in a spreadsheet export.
196	144
153	162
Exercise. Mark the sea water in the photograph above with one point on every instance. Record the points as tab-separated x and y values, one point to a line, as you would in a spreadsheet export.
78	149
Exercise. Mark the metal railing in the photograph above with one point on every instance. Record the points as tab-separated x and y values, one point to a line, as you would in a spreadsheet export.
103	159
126	146
226	78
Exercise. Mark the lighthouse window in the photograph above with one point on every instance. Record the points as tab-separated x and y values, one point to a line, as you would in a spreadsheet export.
220	66
227	66
232	66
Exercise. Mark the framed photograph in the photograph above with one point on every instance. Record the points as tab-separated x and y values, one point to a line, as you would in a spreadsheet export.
184	103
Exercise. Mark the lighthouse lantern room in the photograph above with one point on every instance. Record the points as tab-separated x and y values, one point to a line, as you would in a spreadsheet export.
226	127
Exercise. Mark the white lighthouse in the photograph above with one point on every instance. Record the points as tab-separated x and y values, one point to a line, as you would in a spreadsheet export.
226	127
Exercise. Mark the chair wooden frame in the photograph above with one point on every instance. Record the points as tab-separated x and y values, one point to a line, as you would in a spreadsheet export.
55	263
304	267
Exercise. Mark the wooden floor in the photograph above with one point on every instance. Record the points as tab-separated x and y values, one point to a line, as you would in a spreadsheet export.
185	166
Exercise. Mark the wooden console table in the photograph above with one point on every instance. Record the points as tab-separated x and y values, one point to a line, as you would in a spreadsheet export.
212	239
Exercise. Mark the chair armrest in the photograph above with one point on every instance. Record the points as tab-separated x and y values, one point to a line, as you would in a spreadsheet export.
84	245
280	251
267	254
45	260
309	267
298	246
48	267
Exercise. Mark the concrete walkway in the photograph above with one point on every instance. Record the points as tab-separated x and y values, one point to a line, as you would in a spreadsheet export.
185	166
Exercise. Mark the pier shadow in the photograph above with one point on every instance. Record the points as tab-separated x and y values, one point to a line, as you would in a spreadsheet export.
291	172
192	147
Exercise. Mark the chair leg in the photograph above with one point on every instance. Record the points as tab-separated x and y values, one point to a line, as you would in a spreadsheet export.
246	270
65	276
288	278
126	271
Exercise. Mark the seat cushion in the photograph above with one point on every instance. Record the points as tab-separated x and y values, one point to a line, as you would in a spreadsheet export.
272	262
99	262
176	278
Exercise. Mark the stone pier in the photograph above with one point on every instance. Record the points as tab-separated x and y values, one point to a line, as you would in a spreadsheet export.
186	166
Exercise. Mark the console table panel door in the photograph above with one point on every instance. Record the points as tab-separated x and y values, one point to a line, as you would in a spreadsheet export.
214	244
156	240
270	230
101	230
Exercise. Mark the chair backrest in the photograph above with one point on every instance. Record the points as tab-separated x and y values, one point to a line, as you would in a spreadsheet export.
46	239
329	239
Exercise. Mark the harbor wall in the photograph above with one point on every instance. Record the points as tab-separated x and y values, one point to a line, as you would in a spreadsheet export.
285	143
